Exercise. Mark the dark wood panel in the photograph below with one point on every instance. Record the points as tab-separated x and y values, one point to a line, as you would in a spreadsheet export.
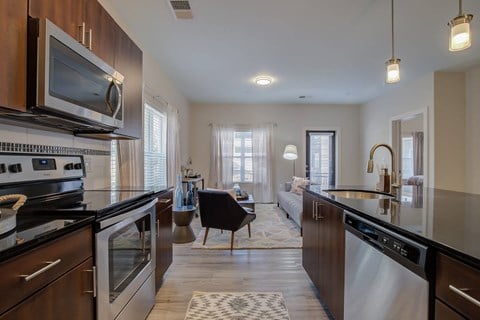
13	55
71	249
310	243
103	31
164	242
128	61
65	298
66	14
443	312
461	276
332	261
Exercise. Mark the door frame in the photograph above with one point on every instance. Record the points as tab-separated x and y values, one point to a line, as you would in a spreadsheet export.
337	134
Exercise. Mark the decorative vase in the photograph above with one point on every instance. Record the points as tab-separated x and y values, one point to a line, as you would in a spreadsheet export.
179	192
189	196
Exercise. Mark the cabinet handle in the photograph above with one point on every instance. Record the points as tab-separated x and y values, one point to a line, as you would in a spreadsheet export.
50	264
461	293
90	35
158	228
164	201
94	282
319	216
82	33
314	207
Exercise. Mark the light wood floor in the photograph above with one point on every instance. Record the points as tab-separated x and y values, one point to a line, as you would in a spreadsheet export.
243	270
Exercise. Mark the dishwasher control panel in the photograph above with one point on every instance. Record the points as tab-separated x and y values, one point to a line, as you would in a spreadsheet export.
394	245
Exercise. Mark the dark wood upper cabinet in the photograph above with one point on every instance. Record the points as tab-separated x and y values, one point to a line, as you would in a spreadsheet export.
66	14
129	61
101	31
13	55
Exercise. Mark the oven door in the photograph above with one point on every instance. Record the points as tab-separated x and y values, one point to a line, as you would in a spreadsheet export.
125	254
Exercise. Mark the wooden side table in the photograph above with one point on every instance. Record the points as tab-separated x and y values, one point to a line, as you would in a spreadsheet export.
182	217
247	203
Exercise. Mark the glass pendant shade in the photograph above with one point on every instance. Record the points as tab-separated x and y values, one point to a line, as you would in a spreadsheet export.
393	70
460	37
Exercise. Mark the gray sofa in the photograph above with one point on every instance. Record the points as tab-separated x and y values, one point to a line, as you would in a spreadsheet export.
291	203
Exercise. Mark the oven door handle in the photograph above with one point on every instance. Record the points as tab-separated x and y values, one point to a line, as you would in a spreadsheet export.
115	219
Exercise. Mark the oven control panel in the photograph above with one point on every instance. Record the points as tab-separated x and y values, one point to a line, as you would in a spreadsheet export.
26	167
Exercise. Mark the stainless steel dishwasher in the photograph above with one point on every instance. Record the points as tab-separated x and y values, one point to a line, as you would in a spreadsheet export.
385	273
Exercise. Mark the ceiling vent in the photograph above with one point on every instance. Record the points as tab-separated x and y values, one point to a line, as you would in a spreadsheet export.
181	9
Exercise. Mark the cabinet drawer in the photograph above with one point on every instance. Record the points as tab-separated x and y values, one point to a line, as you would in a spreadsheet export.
444	312
458	285
165	200
42	265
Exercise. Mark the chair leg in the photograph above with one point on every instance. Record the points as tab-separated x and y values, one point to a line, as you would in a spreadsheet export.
231	241
206	234
249	231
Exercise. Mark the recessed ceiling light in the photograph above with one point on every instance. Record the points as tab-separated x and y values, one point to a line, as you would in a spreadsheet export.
263	80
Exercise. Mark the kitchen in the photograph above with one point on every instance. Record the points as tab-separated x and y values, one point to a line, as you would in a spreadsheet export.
97	161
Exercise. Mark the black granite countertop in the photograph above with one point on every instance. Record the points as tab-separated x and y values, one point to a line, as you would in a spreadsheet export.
447	220
34	230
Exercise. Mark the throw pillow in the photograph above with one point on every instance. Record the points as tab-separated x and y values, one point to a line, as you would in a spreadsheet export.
298	182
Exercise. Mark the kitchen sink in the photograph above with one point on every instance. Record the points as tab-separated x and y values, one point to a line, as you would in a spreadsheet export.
358	194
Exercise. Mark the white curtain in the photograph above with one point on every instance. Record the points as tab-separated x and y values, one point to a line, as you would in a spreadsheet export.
173	145
418	153
221	157
130	162
262	162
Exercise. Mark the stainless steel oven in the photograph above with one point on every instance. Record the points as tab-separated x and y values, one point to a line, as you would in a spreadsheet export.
66	81
125	255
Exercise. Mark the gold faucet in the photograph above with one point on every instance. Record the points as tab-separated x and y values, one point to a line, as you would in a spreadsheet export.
394	184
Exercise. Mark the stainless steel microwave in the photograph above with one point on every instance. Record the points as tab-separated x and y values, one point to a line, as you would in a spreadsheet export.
68	85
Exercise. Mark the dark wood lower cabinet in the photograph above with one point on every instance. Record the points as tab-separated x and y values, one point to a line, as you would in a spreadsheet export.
164	253
324	250
68	297
443	312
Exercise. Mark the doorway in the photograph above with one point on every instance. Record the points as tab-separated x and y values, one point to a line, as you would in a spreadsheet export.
320	157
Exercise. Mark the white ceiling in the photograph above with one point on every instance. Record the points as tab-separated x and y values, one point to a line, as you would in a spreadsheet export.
332	51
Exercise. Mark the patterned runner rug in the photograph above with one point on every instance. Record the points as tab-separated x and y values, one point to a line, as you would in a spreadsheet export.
237	306
270	230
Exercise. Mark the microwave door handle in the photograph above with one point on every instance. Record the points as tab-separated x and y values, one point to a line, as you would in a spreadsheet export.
119	99
107	96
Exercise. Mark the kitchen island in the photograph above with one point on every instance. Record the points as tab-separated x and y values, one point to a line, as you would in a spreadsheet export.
445	221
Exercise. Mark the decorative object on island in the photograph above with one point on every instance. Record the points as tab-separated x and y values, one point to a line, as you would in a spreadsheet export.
460	37
290	153
393	64
189	196
179	192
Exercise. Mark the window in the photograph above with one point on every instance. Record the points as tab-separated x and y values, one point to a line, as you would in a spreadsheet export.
155	147
242	156
321	157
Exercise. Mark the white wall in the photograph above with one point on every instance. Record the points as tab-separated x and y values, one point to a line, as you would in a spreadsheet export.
472	134
292	121
376	116
156	80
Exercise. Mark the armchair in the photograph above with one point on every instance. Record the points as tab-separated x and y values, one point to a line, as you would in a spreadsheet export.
219	210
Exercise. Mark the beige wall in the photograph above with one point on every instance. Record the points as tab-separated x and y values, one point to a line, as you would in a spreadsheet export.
472	134
450	130
292	121
376	117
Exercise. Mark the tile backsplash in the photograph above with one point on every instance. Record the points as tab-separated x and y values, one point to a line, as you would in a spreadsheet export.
96	152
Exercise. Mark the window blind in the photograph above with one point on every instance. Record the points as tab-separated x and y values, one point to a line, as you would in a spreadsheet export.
155	147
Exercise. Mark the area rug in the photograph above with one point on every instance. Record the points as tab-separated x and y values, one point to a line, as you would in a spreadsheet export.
237	306
270	230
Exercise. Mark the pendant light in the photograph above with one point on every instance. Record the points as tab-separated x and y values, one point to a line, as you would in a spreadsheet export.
460	38
393	64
